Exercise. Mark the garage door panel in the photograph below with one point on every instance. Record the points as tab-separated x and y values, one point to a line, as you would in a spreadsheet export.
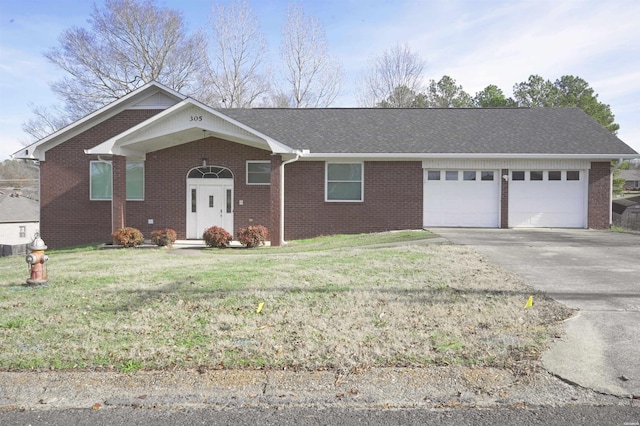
547	204
461	203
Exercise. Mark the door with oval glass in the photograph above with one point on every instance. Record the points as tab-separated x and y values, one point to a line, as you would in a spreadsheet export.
210	205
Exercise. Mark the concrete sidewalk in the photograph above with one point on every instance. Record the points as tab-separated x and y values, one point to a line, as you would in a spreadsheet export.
597	272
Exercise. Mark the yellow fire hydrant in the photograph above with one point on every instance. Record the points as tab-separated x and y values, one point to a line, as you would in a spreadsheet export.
36	261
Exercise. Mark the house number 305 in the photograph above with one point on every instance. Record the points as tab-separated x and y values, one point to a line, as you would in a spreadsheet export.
195	118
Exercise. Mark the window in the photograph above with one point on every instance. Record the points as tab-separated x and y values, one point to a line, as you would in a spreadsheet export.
23	231
433	175
344	182
555	175
101	180
258	172
535	175
486	175
519	175
135	180
451	175
573	175
468	175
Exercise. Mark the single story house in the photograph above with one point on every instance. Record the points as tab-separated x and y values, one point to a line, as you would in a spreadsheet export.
156	158
626	213
631	179
19	216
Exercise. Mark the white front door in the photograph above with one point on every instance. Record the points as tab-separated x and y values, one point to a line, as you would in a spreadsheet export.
209	204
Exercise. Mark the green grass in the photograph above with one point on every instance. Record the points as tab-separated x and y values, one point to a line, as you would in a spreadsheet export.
329	303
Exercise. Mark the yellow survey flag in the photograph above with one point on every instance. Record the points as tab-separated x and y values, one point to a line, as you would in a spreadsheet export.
260	305
529	302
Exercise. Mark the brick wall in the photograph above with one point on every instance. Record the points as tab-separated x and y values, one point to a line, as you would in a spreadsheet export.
392	200
504	199
165	199
67	216
599	195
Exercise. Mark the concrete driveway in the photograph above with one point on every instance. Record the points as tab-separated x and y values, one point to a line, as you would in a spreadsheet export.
597	272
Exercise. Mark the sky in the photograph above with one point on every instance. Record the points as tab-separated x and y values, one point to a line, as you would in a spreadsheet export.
476	42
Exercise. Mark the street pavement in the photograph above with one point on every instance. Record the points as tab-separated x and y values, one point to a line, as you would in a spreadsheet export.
596	272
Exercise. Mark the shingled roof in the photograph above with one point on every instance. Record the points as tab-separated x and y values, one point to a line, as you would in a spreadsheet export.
562	131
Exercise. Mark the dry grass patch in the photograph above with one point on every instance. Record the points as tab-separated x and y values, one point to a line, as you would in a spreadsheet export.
343	308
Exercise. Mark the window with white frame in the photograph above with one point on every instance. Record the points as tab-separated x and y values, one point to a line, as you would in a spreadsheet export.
101	180
344	182
258	172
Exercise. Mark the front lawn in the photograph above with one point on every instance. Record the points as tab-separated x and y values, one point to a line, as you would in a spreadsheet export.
343	302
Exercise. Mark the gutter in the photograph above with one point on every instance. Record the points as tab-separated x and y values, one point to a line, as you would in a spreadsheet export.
284	163
616	167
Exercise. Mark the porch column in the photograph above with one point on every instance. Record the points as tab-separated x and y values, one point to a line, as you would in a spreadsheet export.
504	199
119	193
275	197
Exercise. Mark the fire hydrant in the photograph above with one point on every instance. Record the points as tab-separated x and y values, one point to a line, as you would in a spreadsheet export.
36	261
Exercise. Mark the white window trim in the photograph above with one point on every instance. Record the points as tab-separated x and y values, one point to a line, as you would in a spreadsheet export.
247	172
326	182
111	197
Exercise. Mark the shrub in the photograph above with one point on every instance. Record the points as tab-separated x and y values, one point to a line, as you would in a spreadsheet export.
128	237
216	237
164	237
253	236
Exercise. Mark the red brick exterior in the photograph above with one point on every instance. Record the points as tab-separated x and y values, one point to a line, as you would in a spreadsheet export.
392	200
393	192
599	195
67	217
274	230
119	204
504	199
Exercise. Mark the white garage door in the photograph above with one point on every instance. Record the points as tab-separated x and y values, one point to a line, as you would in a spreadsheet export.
547	199
465	198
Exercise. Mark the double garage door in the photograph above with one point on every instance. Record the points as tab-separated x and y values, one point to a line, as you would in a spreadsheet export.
537	198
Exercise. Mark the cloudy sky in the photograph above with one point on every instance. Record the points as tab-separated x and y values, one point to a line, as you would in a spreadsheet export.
477	42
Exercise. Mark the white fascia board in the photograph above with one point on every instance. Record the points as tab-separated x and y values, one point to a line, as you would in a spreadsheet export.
423	156
36	151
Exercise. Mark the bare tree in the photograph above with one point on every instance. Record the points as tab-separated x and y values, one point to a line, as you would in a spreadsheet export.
129	43
314	78
46	120
234	77
395	68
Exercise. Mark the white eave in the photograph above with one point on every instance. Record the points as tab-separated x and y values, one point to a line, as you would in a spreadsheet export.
37	150
187	121
425	155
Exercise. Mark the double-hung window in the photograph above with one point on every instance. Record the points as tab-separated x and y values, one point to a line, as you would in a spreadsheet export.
344	182
101	180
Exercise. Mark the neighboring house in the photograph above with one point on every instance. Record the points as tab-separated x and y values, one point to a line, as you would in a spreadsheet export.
631	179
18	221
626	213
156	159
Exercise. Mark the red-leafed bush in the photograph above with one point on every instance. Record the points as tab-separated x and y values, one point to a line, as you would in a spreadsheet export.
253	236
128	237
164	237
216	237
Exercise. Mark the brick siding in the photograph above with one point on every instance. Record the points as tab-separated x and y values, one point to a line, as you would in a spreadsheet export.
67	216
504	199
599	195
392	200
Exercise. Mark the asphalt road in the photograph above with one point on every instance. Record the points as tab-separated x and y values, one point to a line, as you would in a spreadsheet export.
549	416
597	272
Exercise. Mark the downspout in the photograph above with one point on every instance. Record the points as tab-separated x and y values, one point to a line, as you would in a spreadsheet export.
616	167
298	153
